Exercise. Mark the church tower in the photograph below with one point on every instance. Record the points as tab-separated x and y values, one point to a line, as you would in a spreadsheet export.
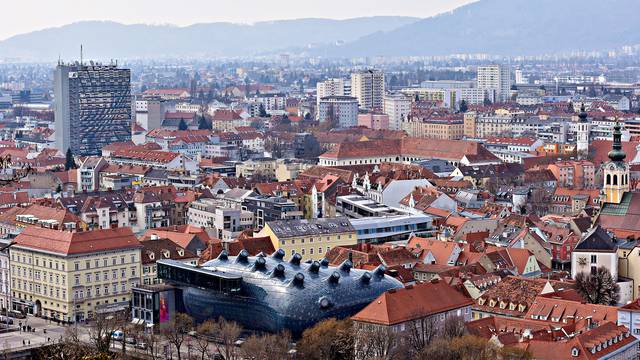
616	171
584	128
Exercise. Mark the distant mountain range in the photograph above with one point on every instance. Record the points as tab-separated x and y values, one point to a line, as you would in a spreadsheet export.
106	40
509	27
497	27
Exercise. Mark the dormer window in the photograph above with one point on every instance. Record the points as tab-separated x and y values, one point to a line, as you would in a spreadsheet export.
180	252
575	352
492	303
166	254
481	301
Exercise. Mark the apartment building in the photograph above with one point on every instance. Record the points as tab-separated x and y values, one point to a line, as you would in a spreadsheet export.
329	87
574	174
368	87
69	276
397	107
312	239
496	81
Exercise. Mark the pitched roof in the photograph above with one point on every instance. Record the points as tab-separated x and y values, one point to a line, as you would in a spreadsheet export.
597	239
154	250
73	243
413	302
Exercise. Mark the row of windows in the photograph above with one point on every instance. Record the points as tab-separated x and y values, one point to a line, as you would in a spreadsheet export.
80	294
311	250
105	275
104	262
29	273
44	290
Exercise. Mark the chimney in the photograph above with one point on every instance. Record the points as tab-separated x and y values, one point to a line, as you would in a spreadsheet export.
154	237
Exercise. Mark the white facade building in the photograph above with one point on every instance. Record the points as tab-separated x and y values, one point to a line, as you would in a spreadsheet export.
495	80
330	87
368	87
341	110
397	107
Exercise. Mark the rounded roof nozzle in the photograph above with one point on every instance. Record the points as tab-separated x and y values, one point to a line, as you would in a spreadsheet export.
296	259
243	256
278	271
279	254
314	267
298	280
223	256
324	262
365	278
260	264
346	266
379	271
324	302
334	278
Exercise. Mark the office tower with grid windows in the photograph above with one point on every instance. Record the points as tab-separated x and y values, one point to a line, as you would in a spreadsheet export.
92	107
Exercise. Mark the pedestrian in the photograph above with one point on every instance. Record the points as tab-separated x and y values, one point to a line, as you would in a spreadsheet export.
29	342
23	342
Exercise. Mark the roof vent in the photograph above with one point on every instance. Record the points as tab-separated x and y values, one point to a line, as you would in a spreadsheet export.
260	264
346	266
298	280
334	278
379	271
279	254
365	278
324	262
243	256
278	271
315	267
295	259
324	302
224	256
155	237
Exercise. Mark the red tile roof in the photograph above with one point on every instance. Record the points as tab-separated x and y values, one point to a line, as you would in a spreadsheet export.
73	243
413	302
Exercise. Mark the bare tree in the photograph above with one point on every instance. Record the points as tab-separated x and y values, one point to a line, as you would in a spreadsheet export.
205	331
100	332
454	327
376	342
599	287
177	331
153	345
228	333
421	332
266	347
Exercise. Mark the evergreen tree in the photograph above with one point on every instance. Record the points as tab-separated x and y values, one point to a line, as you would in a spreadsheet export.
182	125
262	111
204	124
69	163
463	106
59	188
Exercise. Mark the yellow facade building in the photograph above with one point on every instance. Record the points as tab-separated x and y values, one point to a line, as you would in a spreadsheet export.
68	275
310	238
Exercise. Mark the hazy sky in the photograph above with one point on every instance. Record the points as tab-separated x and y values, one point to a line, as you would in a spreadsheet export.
28	15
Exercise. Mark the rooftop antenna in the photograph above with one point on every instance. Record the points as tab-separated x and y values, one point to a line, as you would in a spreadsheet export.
81	54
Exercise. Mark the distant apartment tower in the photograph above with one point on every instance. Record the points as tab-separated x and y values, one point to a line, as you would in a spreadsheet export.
330	87
398	107
339	110
92	107
368	87
496	81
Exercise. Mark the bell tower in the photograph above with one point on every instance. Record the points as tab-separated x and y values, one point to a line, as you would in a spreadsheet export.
584	128
616	171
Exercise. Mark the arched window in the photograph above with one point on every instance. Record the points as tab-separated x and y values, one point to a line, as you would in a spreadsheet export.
615	179
608	179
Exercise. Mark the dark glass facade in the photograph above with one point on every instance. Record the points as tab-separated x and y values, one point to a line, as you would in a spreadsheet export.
93	107
269	293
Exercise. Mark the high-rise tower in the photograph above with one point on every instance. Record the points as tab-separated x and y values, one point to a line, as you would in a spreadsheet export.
92	107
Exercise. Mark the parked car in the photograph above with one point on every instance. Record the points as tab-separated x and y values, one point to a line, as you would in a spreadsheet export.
130	340
117	335
141	345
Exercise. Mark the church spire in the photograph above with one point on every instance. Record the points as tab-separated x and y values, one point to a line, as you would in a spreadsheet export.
583	114
617	154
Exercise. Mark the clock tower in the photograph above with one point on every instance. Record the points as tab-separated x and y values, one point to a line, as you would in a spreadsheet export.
616	171
583	130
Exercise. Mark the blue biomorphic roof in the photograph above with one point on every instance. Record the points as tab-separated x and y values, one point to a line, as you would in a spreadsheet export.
284	294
